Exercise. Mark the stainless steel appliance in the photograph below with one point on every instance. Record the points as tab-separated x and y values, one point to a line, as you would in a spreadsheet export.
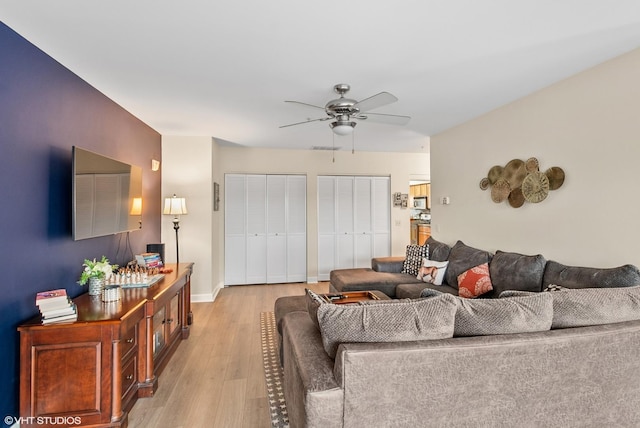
420	203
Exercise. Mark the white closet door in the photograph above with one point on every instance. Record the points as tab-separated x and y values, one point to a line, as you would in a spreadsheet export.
381	218
326	226
265	229
276	262
345	223
353	222
363	216
296	228
235	229
256	229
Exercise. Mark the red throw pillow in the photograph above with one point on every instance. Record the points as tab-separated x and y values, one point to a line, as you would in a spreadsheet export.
474	282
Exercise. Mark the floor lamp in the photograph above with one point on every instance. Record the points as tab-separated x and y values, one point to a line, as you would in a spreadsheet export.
176	207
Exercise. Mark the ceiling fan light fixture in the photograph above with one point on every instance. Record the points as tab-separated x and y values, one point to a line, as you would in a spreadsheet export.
342	127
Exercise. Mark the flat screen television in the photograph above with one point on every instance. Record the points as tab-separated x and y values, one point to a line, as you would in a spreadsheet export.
107	195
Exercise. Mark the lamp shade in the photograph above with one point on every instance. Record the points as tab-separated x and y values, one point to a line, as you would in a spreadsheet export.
136	207
342	127
175	206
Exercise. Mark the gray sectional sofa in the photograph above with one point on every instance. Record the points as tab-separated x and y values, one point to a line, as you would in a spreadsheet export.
508	271
525	358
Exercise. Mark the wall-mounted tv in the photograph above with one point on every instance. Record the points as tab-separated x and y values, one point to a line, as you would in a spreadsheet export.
107	195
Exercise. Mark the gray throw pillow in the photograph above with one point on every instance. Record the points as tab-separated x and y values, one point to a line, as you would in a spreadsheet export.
482	317
404	320
429	292
594	306
461	259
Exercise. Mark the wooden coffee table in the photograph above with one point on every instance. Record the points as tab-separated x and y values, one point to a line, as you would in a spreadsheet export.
347	297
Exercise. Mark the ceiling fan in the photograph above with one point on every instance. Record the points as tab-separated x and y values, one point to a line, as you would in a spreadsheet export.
344	110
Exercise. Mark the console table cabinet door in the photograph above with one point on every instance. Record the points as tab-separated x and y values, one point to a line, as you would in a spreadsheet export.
67	372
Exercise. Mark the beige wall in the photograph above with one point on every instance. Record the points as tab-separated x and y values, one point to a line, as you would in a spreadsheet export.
192	164
401	167
589	125
187	165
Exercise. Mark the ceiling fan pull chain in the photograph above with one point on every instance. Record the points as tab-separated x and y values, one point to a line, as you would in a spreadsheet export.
333	148
353	143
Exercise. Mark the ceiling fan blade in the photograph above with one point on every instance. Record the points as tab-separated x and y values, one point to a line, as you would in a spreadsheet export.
389	119
304	104
306	121
378	100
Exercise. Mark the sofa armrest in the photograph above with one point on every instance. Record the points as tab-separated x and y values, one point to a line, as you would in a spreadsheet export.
387	264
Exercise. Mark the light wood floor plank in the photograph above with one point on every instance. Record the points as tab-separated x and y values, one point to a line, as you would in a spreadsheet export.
216	378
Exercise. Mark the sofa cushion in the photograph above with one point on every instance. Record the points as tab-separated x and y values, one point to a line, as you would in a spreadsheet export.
461	258
432	271
438	251
482	317
396	321
585	277
594	306
513	271
413	258
474	282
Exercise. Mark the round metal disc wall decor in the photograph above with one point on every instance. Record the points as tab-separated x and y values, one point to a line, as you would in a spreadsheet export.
555	175
535	187
500	190
521	181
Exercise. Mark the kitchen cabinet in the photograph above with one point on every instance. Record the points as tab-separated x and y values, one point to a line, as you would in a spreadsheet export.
353	222
424	231
265	229
420	190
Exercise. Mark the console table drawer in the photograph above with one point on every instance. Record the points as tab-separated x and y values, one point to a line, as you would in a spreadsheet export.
129	342
129	376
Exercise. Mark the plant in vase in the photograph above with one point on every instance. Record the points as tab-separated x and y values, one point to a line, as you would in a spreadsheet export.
95	273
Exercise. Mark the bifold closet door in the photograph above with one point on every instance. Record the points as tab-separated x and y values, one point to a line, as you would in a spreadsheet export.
265	229
353	222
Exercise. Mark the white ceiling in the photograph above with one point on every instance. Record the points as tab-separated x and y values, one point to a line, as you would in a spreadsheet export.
224	68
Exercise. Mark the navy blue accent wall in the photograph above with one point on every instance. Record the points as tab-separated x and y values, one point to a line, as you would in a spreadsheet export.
45	109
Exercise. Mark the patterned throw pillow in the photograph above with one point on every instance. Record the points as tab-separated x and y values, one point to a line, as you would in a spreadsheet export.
474	282
432	272
413	258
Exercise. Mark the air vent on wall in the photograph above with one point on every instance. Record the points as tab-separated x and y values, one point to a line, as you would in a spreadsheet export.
324	148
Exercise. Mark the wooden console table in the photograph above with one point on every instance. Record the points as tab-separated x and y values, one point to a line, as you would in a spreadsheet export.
91	371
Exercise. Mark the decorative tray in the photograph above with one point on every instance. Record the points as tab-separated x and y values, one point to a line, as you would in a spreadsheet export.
349	297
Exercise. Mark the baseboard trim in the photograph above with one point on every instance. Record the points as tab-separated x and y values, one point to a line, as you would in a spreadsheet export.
205	297
312	279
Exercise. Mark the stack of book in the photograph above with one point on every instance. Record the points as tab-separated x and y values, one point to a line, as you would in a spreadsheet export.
149	260
55	306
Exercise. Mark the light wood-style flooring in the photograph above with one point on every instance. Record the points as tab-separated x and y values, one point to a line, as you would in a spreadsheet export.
216	377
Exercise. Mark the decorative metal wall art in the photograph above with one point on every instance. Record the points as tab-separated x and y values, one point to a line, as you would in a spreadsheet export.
521	181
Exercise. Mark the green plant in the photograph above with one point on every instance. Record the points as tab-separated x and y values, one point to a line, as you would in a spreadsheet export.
96	269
